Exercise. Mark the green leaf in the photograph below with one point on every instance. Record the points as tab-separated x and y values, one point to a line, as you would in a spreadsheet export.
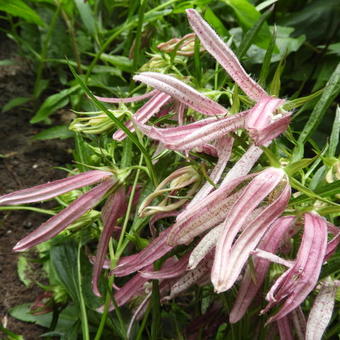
122	62
10	335
216	23
251	35
18	8
247	16
334	138
23	268
53	103
299	165
61	132
14	103
330	92
86	16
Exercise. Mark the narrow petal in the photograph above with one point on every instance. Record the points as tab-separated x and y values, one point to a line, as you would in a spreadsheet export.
114	208
251	283
52	189
299	321
263	123
154	251
194	135
190	278
224	55
59	222
205	214
224	146
295	284
244	164
321	312
182	92
168	271
224	273
207	243
128	100
142	115
231	257
285	329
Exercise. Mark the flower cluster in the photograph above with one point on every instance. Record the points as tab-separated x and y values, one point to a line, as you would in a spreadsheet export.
235	223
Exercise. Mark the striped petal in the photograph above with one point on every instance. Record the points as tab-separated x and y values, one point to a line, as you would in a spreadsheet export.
52	189
224	56
224	273
182	92
59	222
142	115
127	100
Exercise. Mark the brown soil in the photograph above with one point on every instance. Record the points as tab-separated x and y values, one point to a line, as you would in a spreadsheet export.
24	162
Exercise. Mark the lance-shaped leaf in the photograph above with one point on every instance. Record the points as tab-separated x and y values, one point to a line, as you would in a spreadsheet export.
263	123
52	189
225	57
197	134
154	251
321	312
284	328
113	209
144	113
297	282
206	213
169	270
59	222
254	278
129	99
227	266
224	146
182	92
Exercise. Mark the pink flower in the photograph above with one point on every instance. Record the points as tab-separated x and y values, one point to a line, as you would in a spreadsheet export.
298	281
59	222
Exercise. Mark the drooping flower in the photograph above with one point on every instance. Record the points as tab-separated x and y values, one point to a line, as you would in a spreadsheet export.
294	285
64	218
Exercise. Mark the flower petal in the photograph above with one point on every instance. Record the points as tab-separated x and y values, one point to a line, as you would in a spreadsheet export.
128	100
224	55
182	92
59	222
224	273
52	189
142	115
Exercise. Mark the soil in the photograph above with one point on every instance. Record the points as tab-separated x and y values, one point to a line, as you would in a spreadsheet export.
24	162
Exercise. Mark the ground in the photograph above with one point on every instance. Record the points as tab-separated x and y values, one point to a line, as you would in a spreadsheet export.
24	162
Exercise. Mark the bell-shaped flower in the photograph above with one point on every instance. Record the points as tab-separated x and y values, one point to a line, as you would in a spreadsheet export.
294	285
76	209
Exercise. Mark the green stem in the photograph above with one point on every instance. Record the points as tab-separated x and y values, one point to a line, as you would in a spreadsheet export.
22	207
83	315
130	135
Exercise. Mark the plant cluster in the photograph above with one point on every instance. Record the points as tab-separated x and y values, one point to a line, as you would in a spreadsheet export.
214	209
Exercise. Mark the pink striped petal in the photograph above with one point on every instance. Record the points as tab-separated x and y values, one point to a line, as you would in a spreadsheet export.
154	251
297	282
59	222
196	134
299	321
224	274
205	214
285	329
321	312
250	287
262	122
128	100
52	189
142	115
113	209
168	271
182	92
224	55
224	146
